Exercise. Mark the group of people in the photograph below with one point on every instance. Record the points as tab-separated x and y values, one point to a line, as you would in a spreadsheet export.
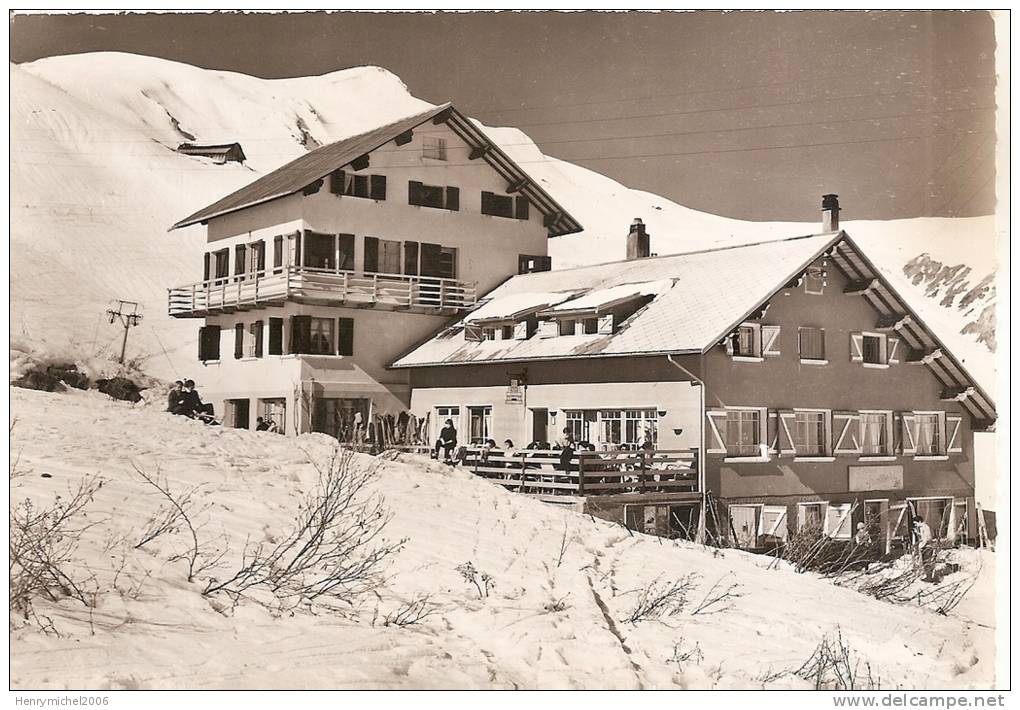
184	400
922	545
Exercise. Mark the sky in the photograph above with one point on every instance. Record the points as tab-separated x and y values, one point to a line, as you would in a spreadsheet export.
751	115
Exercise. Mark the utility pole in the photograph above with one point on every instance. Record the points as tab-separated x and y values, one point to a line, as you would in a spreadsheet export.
127	313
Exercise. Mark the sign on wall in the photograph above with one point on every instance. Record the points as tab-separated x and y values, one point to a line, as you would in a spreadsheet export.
876	478
515	393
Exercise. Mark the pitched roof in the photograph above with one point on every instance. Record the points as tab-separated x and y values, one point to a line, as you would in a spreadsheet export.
317	164
706	294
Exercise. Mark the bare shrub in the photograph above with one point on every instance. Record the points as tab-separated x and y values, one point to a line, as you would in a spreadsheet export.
682	656
481	581
415	611
42	547
557	605
660	599
719	598
334	553
176	514
564	546
834	665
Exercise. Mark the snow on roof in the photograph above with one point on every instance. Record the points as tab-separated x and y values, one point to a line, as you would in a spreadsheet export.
516	305
714	290
603	297
317	164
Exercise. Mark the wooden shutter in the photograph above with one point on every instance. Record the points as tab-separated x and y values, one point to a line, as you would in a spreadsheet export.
257	333
473	333
730	343
431	259
772	431
346	243
521	330
787	425
892	346
377	190
716	440
205	266
857	347
773	521
548	329
769	340
453	198
371	254
209	343
414	192
345	343
300	333
299	256
954	439
605	326
486	202
908	433
276	336
336	182
260	263
522	207
411	258
238	341
846	437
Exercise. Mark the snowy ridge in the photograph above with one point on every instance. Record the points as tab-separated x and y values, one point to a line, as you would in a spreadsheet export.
95	183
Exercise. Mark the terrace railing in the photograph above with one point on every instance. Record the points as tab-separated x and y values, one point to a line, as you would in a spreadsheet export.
588	473
327	286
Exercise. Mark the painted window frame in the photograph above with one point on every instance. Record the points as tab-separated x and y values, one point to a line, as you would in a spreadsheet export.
434	148
800	346
825	455
889	454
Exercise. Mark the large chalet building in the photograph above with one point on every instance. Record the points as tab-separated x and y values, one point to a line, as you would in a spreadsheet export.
807	388
321	273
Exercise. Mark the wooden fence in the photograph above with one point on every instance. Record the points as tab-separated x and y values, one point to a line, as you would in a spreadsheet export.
587	473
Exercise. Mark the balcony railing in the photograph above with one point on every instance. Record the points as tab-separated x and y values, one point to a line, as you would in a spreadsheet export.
324	286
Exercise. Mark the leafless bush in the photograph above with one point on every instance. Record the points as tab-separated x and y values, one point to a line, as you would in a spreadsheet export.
557	605
719	598
660	599
834	665
334	551
482	581
176	514
564	546
43	543
682	656
419	608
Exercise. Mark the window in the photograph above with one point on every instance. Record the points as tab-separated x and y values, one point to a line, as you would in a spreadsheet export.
814	281
345	337
238	341
253	346
435	196
639	426
611	427
875	428
240	251
873	348
258	258
438	261
508	332
812	343
579	422
320	251
274	410
809	433
209	343
278	254
929	439
746	341
276	336
591	326
811	516
566	327
311	336
480	421
743	432
236	414
497	205
433	147
365	186
222	258
488	333
527	264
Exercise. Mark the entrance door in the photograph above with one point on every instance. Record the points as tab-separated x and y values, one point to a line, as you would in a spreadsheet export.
744	525
539	424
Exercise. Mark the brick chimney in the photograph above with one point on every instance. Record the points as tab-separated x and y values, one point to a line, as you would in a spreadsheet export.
830	213
638	246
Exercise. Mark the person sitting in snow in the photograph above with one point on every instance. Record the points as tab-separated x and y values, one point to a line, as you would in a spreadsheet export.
261	424
173	397
447	440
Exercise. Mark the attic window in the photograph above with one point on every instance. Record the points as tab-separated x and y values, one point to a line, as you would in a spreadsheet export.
437	196
366	186
591	326
433	148
746	342
528	264
488	333
814	281
566	326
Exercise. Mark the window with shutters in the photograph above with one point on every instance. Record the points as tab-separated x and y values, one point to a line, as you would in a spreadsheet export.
311	336
433	148
240	262
810	433
591	326
278	254
814	281
436	196
222	260
320	251
746	344
812	344
488	333
928	426
239	341
527	264
811	516
258	258
872	348
508	332
209	343
566	326
742	433
497	205
276	336
876	433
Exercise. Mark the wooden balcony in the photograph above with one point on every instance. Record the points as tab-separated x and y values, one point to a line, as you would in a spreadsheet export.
589	473
303	284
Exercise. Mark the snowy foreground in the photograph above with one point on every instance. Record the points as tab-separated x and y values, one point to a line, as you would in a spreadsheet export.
551	621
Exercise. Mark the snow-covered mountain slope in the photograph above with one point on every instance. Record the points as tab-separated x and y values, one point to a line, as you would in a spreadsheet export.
564	583
95	183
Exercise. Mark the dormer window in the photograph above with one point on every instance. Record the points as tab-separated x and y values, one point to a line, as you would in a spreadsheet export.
488	333
814	281
566	326
433	148
590	326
